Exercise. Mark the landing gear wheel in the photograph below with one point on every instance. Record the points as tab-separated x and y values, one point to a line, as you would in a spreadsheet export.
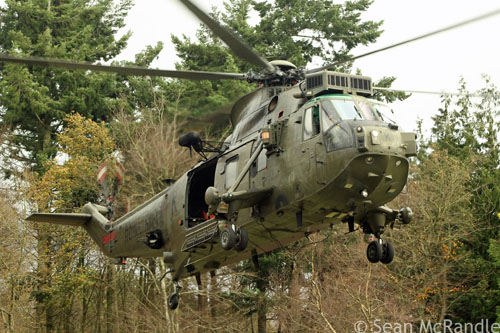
374	252
227	238
241	240
387	253
173	301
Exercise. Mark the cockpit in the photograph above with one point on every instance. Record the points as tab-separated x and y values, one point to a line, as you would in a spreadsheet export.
336	116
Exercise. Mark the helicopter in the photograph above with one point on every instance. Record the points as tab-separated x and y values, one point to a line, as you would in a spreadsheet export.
309	150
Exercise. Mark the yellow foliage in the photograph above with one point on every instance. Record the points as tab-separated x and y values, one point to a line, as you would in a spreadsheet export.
68	186
450	251
86	139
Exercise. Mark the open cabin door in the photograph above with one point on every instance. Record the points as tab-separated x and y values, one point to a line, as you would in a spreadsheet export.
199	179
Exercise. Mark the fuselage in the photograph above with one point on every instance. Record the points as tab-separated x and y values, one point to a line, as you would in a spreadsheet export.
336	156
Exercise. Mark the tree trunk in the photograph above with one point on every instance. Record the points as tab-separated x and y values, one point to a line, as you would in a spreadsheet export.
201	302
261	308
151	277
213	294
164	293
109	316
68	315
44	310
98	301
261	283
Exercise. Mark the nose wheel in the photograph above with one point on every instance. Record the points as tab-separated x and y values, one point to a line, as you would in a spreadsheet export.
380	251
373	224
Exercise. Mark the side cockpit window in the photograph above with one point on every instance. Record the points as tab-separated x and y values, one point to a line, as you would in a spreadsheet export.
311	122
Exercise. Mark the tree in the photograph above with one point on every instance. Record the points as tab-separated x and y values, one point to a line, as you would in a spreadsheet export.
433	264
35	100
14	251
297	31
494	251
63	253
467	129
300	30
149	143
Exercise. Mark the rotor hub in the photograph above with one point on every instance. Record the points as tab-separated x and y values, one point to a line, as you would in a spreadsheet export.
285	74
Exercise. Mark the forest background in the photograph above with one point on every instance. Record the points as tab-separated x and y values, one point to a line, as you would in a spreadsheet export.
55	279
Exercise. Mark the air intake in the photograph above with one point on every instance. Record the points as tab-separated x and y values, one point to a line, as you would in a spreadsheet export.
335	82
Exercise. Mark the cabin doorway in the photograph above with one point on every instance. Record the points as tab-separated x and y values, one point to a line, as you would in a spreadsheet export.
199	180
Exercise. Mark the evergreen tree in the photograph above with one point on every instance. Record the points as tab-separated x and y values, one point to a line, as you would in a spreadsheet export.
294	30
494	251
466	127
35	99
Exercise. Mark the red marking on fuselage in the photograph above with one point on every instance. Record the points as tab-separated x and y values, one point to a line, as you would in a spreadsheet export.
109	237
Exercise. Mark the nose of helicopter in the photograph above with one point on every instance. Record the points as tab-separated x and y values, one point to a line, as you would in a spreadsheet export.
375	177
379	173
379	170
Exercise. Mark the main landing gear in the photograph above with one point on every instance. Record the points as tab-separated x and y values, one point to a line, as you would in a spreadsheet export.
229	238
173	299
379	250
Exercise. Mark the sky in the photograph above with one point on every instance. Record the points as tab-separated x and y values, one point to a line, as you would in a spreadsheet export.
433	64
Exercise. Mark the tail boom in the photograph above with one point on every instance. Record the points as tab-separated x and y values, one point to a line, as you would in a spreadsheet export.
75	220
90	219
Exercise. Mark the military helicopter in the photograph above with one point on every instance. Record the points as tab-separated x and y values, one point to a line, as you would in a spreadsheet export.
309	149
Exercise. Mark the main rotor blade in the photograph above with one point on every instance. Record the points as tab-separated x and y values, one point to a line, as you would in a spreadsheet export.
429	34
440	93
236	44
126	70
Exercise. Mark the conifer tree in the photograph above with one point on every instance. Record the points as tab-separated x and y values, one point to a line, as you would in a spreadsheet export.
298	31
34	100
465	127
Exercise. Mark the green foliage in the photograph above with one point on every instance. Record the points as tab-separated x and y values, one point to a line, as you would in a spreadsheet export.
200	97
388	96
300	30
64	256
494	251
134	93
466	127
35	100
469	123
297	31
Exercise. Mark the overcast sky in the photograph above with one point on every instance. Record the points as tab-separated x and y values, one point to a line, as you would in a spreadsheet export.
433	64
